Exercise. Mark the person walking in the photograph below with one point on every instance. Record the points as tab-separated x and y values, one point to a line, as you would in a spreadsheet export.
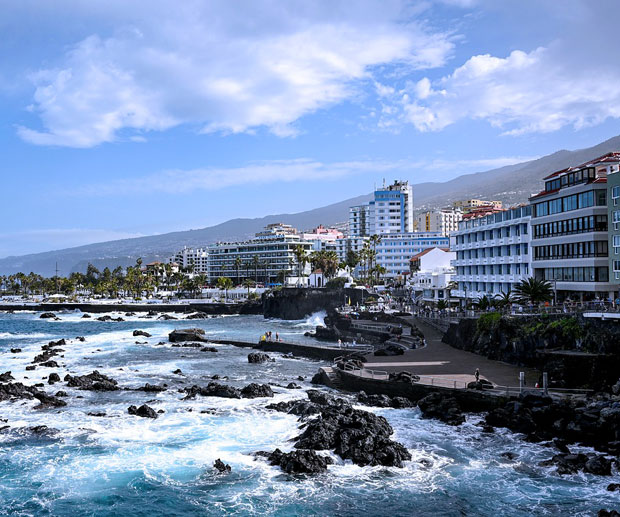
477	375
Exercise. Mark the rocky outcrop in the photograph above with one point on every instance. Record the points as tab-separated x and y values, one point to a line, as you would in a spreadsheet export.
47	315
92	382
384	401
152	388
253	390
215	389
6	377
295	304
53	378
221	467
596	464
109	318
137	333
595	423
442	407
142	411
298	462
258	357
181	335
17	390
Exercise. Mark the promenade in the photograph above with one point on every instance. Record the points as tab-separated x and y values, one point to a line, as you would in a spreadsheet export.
440	360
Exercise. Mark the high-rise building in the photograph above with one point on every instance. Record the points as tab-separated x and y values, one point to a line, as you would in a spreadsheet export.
359	221
613	218
191	258
444	221
392	209
570	231
395	250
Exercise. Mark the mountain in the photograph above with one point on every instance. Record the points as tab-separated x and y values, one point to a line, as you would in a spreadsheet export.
511	184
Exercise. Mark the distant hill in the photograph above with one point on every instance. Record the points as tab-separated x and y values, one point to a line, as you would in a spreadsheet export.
511	184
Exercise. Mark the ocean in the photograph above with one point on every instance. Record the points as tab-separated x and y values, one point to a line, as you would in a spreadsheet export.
119	464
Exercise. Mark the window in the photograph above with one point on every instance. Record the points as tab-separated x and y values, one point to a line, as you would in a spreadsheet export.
615	192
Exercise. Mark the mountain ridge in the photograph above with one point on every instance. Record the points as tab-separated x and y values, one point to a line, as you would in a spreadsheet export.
511	184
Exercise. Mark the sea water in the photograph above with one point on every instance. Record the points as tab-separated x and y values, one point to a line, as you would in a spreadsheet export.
121	464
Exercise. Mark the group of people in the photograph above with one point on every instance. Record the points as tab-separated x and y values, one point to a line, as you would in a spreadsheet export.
268	336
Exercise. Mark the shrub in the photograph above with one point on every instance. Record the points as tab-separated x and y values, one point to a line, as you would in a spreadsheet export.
488	321
336	283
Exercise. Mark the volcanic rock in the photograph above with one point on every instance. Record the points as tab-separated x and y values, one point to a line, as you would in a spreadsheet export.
143	411
298	462
93	381
53	377
213	389
221	467
151	388
181	335
140	333
16	350
47	315
6	377
254	390
258	357
442	407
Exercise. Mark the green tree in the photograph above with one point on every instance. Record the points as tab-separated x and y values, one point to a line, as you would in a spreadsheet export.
531	290
225	284
301	257
238	264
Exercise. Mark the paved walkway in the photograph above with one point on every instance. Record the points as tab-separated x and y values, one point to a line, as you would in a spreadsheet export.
441	360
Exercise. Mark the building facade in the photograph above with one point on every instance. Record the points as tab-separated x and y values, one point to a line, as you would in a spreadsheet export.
431	274
570	231
395	251
613	218
262	259
493	253
392	209
467	205
359	220
444	221
191	258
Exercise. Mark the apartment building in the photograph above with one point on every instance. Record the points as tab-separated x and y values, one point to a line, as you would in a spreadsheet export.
431	274
392	209
395	250
191	258
493	253
359	220
467	205
570	238
444	221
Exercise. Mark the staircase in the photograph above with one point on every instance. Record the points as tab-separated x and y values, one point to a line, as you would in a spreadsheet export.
333	378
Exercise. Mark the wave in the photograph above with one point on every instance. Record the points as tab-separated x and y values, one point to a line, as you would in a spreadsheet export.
19	335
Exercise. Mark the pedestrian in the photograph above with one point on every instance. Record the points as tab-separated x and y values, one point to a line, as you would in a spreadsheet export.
277	337
340	343
477	375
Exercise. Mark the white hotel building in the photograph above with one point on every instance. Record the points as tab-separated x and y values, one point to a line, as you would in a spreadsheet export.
493	252
197	258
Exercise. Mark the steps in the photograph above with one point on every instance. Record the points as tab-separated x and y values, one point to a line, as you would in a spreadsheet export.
332	376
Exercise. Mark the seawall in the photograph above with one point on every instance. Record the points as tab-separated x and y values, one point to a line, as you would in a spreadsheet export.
469	400
207	308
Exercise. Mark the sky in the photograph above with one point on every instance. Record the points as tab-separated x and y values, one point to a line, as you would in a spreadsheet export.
122	119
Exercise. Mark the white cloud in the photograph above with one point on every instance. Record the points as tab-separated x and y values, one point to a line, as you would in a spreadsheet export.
572	81
209	179
223	67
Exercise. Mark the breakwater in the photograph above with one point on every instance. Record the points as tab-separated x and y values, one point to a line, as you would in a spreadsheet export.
207	308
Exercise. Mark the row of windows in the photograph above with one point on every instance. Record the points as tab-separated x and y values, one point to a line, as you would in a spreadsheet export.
505	215
573	178
496	233
494	251
494	269
568	203
593	223
486	287
576	274
571	250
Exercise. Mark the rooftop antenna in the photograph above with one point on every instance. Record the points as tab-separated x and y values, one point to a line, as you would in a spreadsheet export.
57	290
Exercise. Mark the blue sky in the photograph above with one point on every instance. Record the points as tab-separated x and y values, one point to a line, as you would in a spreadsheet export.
124	118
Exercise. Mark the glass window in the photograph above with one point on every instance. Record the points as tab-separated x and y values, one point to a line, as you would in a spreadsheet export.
615	192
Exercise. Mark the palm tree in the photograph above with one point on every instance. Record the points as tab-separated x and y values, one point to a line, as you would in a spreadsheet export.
248	283
531	290
483	303
301	257
224	283
503	299
238	264
255	264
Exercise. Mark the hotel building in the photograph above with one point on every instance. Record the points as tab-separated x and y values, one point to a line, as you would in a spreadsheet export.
493	253
395	250
444	221
569	230
392	209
